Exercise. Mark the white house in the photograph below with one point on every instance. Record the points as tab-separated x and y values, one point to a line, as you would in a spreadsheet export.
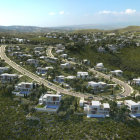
133	107
17	53
3	69
117	72
59	51
60	46
82	75
65	66
70	77
64	55
51	59
39	48
101	49
59	79
136	81
43	70
38	53
87	62
119	103
100	67
5	77
97	85
97	110
49	102
112	48
33	62
23	88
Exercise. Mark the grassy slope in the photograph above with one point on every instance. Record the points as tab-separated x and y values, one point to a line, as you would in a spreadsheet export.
128	59
127	29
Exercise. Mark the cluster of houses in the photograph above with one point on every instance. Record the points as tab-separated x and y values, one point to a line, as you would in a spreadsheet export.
96	109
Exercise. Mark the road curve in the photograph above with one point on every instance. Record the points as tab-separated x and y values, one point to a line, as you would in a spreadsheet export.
37	78
127	89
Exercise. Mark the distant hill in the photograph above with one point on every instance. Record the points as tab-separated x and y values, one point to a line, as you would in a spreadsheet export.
26	29
126	29
77	28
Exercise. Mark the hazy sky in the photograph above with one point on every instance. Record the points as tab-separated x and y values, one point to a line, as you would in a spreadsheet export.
68	12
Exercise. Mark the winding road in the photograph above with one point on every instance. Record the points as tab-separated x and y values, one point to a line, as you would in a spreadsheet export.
38	78
127	90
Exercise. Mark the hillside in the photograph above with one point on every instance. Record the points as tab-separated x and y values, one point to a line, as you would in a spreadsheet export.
77	29
127	59
126	29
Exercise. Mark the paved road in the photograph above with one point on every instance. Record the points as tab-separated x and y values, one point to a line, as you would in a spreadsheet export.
126	89
37	78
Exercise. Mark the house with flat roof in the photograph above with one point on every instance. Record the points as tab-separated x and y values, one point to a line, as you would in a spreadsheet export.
43	70
49	103
5	77
51	59
65	66
59	79
59	51
39	48
33	62
100	67
117	72
133	107
3	69
64	55
97	85
97	110
60	46
23	88
136	81
82	75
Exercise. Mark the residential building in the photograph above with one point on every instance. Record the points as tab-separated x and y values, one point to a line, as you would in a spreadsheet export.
97	85
49	102
96	109
101	49
65	66
64	55
133	107
136	81
43	70
23	88
100	67
39	48
59	79
5	77
3	69
33	62
59	51
117	72
51	59
82	75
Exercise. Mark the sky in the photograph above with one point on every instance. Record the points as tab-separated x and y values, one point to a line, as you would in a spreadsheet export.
51	13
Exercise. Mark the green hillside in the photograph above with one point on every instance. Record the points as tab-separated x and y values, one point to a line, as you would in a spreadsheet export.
127	29
128	59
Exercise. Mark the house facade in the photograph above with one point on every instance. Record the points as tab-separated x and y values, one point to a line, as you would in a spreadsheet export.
49	102
133	107
43	70
97	110
82	75
23	88
5	77
3	69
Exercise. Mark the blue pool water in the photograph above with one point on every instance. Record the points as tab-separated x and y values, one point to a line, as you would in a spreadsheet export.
52	106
